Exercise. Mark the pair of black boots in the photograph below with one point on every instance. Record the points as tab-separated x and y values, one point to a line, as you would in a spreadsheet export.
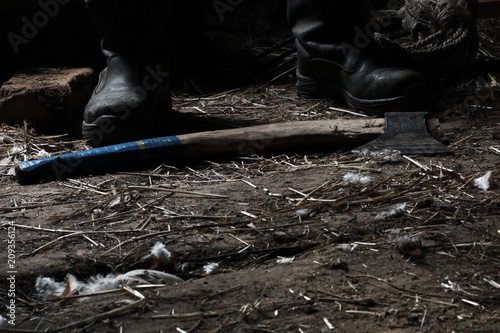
335	60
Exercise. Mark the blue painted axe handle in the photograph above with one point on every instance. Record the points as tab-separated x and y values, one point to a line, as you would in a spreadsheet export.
98	160
241	141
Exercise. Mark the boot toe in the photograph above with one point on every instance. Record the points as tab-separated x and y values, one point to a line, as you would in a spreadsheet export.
393	82
120	105
391	89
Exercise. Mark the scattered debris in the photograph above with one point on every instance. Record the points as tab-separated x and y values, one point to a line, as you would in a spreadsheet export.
394	232
15	154
383	156
493	283
328	324
471	302
48	288
451	285
135	277
284	237
339	264
347	247
397	211
17	149
7	166
410	246
116	201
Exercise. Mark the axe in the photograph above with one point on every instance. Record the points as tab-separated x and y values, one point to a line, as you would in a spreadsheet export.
405	132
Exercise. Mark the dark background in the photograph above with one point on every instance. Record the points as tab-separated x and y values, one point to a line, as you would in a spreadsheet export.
69	38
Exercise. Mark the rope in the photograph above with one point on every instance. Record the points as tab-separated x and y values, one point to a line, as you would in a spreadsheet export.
441	35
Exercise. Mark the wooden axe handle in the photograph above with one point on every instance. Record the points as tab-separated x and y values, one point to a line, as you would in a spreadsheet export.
242	141
248	140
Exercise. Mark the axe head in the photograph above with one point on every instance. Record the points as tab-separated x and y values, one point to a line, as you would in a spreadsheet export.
407	133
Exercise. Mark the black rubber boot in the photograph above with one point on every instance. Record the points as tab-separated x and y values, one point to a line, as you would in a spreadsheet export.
338	59
132	98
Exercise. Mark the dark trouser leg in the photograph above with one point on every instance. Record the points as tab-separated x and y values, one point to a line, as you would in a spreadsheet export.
133	90
336	59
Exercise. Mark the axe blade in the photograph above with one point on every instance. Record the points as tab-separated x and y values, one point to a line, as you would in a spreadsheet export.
407	133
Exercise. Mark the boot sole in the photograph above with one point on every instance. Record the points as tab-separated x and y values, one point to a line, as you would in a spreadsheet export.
108	129
414	98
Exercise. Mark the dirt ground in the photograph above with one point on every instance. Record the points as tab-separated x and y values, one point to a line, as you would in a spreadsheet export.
295	245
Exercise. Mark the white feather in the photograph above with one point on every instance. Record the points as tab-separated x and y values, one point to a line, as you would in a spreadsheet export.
396	211
283	260
356	179
135	277
42	154
303	212
210	268
160	252
46	286
483	182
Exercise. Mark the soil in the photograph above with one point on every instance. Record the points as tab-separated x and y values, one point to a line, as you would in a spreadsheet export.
413	247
